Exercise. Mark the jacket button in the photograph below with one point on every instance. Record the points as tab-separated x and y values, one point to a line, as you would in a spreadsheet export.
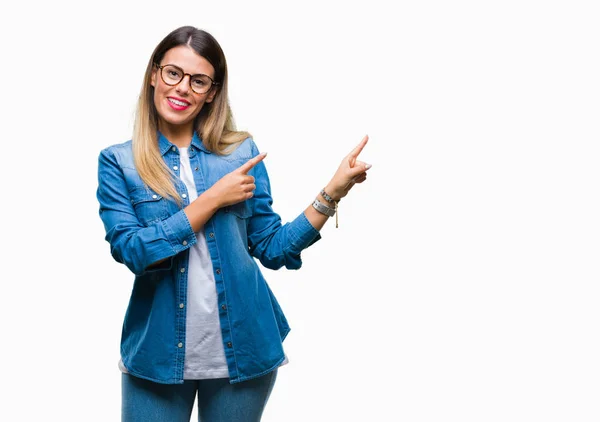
218	271
180	345
224	307
229	344
211	234
184	243
181	305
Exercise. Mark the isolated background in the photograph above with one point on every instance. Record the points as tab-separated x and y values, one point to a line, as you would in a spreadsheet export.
463	281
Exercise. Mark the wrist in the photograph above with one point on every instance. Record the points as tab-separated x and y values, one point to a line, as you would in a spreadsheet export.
332	192
212	201
330	206
324	208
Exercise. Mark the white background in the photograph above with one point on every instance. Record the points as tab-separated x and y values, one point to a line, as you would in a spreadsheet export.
463	281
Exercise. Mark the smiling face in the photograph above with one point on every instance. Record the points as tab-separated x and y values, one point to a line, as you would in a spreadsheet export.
178	105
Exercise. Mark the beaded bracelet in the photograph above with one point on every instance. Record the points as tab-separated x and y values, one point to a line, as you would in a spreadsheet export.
327	197
332	201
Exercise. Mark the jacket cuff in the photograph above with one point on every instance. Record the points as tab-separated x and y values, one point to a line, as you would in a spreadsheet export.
303	233
179	231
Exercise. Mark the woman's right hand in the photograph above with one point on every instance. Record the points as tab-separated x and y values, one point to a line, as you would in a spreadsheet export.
350	171
238	185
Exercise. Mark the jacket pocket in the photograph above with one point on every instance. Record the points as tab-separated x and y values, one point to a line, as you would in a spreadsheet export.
149	206
240	210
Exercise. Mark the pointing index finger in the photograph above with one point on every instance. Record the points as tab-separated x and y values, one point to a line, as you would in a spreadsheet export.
247	166
359	147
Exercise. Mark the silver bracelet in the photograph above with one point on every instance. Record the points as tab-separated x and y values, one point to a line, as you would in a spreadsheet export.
323	209
327	197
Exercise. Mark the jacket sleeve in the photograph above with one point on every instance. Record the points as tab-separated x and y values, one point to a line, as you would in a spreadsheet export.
132	243
275	244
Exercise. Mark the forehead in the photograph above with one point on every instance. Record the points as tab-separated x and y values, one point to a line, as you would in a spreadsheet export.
187	59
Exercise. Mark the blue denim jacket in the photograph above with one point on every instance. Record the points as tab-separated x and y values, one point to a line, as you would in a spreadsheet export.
142	227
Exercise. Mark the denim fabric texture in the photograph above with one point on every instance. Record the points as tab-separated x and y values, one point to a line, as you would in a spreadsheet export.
218	400
142	227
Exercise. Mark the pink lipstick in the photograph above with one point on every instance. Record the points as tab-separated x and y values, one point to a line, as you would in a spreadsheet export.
177	103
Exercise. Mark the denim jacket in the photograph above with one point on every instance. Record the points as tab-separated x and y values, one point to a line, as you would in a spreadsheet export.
142	227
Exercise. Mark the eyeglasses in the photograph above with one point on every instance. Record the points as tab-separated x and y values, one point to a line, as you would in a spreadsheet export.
172	75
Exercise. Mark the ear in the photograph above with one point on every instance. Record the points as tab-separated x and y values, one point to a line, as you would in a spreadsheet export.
153	76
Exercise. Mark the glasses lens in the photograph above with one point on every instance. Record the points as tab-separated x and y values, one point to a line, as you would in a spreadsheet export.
171	75
201	83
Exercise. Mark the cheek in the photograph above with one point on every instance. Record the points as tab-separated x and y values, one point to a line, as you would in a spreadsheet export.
160	94
198	108
156	97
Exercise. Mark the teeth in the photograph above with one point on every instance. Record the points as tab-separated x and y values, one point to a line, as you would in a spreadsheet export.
179	103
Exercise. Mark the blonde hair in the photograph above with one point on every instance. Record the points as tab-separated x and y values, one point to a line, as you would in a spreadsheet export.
214	124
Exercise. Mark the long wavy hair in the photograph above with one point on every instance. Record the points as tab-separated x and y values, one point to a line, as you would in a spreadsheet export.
214	124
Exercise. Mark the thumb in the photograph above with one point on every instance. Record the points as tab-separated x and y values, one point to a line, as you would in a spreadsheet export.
359	168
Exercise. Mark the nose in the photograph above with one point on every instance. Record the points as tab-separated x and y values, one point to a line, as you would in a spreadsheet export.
183	87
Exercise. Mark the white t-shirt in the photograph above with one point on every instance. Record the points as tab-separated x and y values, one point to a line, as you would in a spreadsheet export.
204	353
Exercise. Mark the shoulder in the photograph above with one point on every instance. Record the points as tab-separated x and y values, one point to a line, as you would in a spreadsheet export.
117	148
244	150
121	153
122	148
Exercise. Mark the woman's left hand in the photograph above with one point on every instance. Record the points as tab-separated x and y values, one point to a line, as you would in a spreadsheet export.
350	171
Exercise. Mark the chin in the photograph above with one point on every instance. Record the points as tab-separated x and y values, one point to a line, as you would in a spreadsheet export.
175	119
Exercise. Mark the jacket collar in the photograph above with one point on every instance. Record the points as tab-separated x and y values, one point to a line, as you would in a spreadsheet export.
165	145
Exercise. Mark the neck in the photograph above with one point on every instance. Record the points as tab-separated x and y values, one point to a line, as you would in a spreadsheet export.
180	135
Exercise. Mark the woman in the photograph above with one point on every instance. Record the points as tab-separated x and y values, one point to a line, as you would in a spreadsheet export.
186	205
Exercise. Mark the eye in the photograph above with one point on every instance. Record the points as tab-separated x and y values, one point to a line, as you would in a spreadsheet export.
172	73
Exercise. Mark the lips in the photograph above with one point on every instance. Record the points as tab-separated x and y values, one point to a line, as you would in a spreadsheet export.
178	103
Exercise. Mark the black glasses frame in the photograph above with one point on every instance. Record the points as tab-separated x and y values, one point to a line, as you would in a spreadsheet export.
160	68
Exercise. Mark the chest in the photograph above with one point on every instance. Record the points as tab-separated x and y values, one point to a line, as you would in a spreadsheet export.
204	169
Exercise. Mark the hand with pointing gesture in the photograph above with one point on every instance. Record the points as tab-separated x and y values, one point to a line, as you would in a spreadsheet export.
238	185
350	171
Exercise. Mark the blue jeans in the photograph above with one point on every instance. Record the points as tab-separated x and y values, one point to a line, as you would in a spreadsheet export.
218	400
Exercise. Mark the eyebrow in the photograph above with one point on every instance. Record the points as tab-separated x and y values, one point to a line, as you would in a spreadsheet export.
193	74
